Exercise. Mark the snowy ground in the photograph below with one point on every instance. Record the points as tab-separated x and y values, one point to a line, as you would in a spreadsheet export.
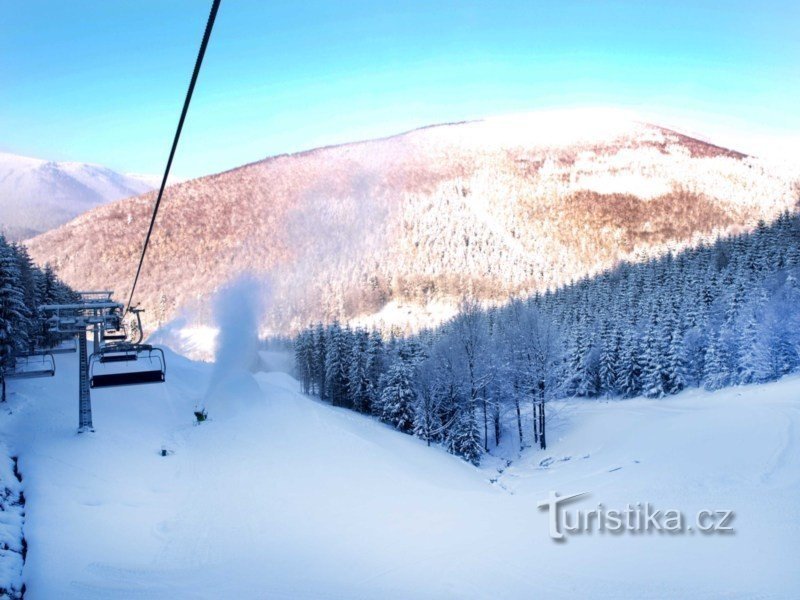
285	497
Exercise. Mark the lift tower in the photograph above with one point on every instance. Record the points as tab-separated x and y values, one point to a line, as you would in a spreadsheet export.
97	311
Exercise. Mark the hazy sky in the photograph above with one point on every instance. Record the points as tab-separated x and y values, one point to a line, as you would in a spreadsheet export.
104	81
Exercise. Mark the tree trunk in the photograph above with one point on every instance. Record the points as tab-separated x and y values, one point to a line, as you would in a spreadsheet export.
541	425
485	427
519	424
542	442
496	418
428	422
535	424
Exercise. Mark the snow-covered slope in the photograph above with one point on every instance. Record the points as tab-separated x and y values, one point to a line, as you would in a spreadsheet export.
37	195
286	497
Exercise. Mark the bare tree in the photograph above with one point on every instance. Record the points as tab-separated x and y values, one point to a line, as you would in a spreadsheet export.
536	349
435	386
471	339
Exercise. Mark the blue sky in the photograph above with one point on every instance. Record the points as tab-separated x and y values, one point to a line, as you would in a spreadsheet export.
104	81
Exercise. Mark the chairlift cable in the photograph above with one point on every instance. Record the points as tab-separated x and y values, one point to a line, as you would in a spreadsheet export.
209	25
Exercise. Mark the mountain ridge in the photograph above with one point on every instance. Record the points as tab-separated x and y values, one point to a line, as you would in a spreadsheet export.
37	195
377	230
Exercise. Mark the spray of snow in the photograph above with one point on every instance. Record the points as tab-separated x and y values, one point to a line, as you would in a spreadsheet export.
237	311
185	335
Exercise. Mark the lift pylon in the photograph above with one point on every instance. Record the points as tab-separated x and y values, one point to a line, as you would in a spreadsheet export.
112	362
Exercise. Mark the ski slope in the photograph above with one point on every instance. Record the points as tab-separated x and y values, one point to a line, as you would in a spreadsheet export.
281	496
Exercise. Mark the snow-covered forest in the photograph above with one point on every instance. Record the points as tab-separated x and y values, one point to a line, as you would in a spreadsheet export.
721	314
23	288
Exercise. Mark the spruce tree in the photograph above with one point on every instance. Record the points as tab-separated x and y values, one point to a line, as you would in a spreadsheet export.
398	398
375	367
14	323
676	363
357	380
320	359
630	376
337	364
464	439
716	373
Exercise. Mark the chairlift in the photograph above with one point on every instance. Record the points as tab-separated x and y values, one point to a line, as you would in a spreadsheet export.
118	332
127	364
29	366
115	336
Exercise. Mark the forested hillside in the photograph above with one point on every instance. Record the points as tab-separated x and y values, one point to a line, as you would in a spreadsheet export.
393	232
721	314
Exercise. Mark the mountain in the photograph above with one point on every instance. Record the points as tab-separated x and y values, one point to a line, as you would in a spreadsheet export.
395	231
37	195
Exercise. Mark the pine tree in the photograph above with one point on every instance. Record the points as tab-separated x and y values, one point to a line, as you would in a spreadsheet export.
464	439
357	381
653	376
337	364
676	363
375	368
608	360
630	376
398	398
304	354
320	359
28	330
14	323
716	374
785	317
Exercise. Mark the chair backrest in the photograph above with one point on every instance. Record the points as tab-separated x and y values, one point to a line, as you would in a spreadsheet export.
124	357
29	374
30	366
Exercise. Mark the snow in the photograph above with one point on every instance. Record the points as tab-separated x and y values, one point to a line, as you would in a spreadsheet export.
11	518
281	496
421	316
195	341
557	127
37	195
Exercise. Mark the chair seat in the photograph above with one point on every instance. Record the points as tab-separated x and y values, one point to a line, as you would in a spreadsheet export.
128	378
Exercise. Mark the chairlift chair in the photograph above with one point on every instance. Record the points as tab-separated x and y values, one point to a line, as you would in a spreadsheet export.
115	336
29	366
127	364
117	333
